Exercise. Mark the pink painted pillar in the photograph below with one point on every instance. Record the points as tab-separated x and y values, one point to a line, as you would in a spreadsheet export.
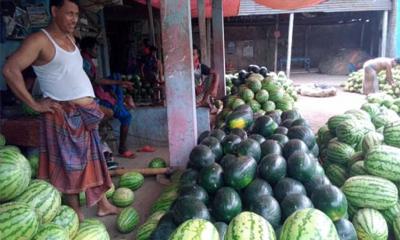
178	67
218	44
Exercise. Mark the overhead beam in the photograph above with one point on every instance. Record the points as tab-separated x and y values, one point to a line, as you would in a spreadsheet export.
179	80
290	39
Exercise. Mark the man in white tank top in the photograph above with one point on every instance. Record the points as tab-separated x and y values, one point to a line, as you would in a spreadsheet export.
68	95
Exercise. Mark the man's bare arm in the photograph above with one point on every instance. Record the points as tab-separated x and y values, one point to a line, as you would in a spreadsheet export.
389	75
25	56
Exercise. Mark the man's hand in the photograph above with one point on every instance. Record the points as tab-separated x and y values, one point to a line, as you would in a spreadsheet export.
390	81
46	105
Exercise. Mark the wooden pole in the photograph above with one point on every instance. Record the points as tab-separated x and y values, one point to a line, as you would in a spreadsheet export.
179	80
218	46
151	22
105	64
143	171
202	28
207	60
384	33
276	45
290	39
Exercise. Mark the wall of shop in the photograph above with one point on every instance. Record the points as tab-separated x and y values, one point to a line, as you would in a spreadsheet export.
246	45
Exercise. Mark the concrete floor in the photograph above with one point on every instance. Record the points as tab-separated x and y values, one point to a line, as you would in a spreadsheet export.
316	110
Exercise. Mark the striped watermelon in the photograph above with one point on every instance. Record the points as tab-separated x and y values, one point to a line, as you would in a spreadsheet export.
339	152
44	198
324	135
110	191
147	228
359	114
351	210
123	197
248	225
383	161
391	134
127	220
131	180
309	224
334	121
2	140
391	214
370	192
10	148
17	221
195	229
92	229
370	224
68	220
34	163
157	163
396	228
15	174
336	173
349	132
371	108
370	140
358	169
50	231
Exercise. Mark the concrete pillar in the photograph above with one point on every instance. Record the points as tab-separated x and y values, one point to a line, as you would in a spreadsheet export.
384	33
219	44
276	44
179	80
393	25
105	59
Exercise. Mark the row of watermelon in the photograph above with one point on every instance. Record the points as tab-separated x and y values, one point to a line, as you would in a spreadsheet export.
269	171
360	153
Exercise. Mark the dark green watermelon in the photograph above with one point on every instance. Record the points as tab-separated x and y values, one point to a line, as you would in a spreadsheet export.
291	114
215	146
281	130
280	138
345	229
293	202
221	228
330	200
188	208
189	177
257	188
202	136
260	139
301	166
300	122
272	168
315	151
276	116
287	123
239	132
226	204
240	173
316	181
227	159
303	133
292	146
269	147
201	156
287	186
194	191
239	118
210	178
249	147
165	228
264	126
267	207
218	134
229	143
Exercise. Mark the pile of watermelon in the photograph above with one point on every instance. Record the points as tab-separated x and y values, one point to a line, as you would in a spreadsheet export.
263	92
360	150
355	81
259	182
385	101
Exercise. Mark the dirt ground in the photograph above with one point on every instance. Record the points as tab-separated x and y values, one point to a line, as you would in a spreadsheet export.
315	110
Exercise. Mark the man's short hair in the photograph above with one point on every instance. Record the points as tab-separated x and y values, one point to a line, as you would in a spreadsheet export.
60	3
397	60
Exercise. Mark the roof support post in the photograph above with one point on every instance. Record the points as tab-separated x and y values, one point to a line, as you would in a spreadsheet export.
276	43
151	22
178	67
208	36
384	33
202	28
290	39
218	46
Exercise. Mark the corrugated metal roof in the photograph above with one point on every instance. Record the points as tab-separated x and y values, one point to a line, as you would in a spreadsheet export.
249	7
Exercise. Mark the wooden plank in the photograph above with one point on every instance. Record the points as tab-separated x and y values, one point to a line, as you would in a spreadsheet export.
218	44
151	22
202	29
143	171
179	80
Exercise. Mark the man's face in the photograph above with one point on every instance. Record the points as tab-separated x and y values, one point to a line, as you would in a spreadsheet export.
66	16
